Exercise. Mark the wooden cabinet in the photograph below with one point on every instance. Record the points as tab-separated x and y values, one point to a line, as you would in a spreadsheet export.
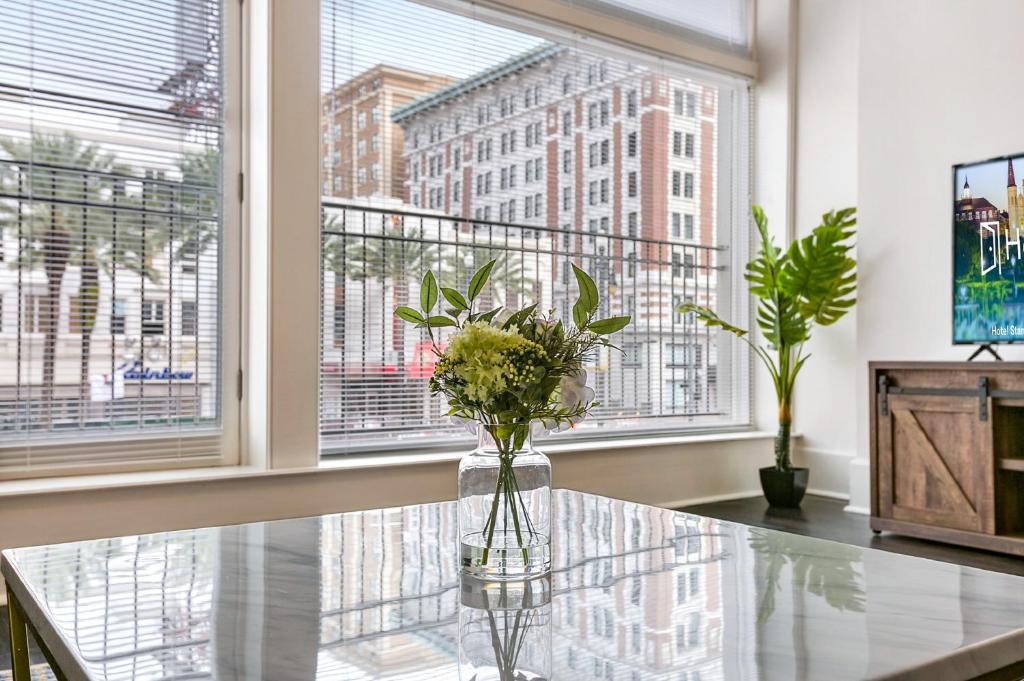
947	452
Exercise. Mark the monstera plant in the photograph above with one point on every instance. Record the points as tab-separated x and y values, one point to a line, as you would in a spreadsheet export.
812	283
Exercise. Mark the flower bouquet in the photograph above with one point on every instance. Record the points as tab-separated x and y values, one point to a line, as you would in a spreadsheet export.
509	374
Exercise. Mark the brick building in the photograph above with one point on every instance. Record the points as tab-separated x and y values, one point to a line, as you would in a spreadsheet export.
620	161
361	149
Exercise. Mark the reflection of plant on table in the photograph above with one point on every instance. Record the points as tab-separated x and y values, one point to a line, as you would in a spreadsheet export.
834	577
505	369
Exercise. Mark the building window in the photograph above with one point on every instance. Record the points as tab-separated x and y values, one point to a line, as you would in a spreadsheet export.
566	123
631	145
631	182
566	161
592	116
688	185
604	112
688	261
689	145
604	190
631	222
566	198
676	183
153	323
691	105
592	194
676	225
677	264
189	318
631	103
566	83
677	143
605	151
688	226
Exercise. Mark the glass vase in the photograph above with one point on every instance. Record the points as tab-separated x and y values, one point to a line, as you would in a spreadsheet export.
505	506
505	630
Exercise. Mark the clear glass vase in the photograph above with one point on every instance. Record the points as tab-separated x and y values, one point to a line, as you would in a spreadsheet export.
505	506
505	630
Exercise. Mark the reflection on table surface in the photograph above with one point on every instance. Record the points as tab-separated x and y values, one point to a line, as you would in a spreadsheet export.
636	593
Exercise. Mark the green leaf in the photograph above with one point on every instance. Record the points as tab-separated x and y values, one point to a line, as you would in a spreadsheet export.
489	315
818	273
409	315
476	284
439	320
579	316
517	317
428	292
709	317
455	298
610	325
588	299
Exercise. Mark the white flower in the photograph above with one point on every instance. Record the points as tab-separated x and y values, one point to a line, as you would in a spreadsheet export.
573	394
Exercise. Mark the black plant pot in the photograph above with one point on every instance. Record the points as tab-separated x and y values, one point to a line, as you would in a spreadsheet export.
784	489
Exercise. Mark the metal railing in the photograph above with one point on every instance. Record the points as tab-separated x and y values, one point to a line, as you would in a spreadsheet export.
374	367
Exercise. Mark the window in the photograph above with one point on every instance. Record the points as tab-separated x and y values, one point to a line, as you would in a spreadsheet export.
688	260
676	183
189	318
688	185
691	104
153	318
688	152
688	226
131	123
677	143
373	385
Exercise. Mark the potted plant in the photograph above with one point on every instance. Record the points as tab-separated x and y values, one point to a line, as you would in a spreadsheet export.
811	284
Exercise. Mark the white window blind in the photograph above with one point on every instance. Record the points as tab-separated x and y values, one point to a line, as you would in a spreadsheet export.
593	185
111	122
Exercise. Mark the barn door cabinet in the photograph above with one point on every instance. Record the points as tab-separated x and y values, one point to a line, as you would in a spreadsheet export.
947	452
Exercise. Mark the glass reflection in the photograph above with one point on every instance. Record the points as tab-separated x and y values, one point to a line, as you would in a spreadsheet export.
832	575
505	630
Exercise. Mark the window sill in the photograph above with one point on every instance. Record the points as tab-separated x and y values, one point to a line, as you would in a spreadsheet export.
89	483
357	461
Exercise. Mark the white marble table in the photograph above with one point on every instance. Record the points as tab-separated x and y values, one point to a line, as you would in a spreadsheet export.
637	593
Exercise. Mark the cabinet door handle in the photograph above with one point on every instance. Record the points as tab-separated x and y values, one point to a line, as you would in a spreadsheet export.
983	398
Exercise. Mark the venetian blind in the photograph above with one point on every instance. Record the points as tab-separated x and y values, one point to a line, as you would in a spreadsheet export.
111	135
452	137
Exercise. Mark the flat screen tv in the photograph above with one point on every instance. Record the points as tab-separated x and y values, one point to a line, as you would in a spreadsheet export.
988	251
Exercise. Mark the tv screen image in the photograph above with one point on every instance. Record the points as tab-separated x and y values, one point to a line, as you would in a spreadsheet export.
988	251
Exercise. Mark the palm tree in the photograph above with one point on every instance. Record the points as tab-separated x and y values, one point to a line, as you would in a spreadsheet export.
389	258
76	217
508	278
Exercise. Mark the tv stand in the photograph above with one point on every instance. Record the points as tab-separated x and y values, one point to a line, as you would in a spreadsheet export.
985	347
947	452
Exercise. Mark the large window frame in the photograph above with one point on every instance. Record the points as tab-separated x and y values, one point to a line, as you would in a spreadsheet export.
93	454
731	208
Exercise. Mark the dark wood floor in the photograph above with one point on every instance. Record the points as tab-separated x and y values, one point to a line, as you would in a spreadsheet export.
825	518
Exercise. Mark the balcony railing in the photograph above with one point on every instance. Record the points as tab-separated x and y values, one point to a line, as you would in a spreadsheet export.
374	367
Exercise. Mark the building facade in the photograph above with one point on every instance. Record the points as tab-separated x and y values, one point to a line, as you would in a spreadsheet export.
616	165
361	149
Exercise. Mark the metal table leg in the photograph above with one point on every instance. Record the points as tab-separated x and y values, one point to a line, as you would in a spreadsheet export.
19	638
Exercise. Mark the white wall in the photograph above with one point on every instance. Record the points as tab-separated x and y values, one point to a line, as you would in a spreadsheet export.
826	178
939	85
